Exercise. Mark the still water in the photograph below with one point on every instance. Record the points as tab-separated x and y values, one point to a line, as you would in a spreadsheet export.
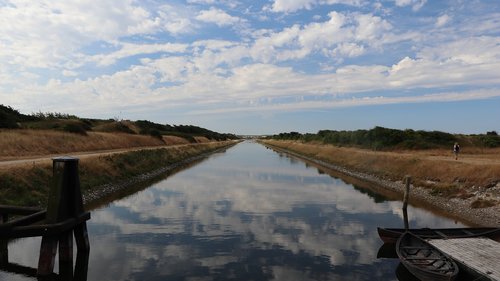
248	213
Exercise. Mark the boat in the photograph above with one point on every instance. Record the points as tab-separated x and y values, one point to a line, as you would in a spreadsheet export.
387	251
423	260
391	235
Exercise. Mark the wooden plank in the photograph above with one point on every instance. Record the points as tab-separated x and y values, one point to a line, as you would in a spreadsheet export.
18	210
481	255
43	229
25	220
46	260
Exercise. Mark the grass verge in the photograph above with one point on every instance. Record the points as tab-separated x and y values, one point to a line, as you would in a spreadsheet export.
443	177
29	185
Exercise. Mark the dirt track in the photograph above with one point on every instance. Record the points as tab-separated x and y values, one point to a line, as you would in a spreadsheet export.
85	154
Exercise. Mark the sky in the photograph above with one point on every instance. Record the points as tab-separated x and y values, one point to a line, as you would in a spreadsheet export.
257	67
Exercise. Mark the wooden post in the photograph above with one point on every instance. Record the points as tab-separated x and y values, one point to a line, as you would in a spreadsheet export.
82	238
48	250
4	252
65	201
62	203
5	218
81	266
66	255
405	201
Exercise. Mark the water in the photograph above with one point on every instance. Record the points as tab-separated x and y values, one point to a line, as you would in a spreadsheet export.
246	214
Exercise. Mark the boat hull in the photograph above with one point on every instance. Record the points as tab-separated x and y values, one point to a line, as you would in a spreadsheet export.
423	260
391	235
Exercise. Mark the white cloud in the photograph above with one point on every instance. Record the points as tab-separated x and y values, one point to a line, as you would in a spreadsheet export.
44	45
47	33
128	50
442	20
171	69
371	28
175	20
356	3
347	35
480	51
362	101
349	50
290	6
69	73
217	16
416	4
229	3
201	1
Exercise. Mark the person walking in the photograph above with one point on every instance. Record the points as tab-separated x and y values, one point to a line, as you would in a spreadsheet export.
456	150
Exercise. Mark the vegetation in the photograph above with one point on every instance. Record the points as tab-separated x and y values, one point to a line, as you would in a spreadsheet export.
28	185
9	117
380	138
436	170
13	119
185	131
57	133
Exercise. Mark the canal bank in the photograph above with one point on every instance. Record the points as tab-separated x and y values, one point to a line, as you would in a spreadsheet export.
100	175
458	208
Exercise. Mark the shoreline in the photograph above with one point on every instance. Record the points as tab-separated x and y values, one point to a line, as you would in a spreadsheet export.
419	196
94	196
102	175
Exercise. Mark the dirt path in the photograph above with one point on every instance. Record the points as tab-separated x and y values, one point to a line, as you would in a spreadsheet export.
492	158
83	154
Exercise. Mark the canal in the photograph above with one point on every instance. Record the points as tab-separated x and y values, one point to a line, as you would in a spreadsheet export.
248	213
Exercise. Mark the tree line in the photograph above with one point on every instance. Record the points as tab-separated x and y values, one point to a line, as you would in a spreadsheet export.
380	138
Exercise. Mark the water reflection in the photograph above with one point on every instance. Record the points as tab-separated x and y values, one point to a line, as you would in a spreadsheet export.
249	214
20	271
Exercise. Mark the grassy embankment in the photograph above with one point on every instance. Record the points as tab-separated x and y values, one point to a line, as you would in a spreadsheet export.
16	144
42	135
478	168
28	185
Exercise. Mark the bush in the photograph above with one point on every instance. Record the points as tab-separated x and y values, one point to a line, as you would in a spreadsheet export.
490	140
378	138
75	129
492	133
9	117
156	134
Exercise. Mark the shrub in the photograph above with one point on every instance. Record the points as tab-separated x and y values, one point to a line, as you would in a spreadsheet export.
75	129
156	134
378	138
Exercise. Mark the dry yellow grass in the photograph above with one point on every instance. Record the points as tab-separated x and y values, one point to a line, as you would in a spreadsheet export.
174	140
437	168
28	185
16	144
201	139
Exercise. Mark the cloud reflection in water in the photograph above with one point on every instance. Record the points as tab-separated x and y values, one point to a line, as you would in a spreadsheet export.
249	214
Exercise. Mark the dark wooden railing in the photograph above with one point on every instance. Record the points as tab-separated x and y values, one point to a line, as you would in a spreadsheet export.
64	217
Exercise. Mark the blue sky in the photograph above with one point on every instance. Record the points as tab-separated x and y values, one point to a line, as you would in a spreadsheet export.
257	67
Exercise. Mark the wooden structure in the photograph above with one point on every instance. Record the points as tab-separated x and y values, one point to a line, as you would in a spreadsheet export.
391	235
64	217
478	255
424	260
476	251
